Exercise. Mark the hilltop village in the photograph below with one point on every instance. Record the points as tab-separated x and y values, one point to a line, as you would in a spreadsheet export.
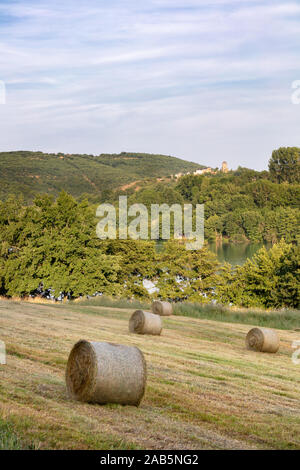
212	171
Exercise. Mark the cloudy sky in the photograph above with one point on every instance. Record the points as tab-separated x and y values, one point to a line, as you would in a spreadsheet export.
202	80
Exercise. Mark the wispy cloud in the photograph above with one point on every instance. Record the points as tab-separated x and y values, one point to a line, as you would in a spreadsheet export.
204	80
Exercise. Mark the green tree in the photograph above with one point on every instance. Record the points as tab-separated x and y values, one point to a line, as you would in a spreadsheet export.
213	228
186	274
284	165
253	224
271	279
54	243
137	261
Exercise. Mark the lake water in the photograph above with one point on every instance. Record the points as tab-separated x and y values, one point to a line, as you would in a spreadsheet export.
236	254
233	253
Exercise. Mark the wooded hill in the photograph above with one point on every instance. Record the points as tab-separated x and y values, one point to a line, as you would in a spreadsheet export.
29	173
53	241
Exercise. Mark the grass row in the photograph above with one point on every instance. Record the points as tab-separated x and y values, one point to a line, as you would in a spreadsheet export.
9	440
280	319
105	301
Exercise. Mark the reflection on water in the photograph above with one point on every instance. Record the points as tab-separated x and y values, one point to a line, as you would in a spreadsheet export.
236	253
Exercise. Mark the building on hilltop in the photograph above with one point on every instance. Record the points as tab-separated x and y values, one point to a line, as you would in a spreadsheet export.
203	171
224	168
197	172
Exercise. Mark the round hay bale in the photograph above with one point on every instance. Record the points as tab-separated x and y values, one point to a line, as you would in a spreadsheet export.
106	373
262	340
163	309
145	323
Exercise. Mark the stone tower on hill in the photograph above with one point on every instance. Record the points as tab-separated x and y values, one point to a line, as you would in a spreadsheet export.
224	167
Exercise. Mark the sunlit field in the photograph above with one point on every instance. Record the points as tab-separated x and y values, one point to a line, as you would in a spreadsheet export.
204	389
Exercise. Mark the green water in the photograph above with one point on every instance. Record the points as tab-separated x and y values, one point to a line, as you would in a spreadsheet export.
235	253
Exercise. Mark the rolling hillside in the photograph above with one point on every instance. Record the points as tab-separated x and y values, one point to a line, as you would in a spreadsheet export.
28	173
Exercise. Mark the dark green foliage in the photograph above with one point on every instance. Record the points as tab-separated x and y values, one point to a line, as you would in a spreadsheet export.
137	261
271	279
214	227
284	165
186	274
156	194
245	205
30	173
53	242
189	185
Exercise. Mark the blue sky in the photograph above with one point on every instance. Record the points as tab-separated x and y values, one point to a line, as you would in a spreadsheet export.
206	81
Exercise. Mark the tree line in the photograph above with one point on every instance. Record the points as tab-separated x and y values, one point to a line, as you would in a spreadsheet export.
53	242
243	205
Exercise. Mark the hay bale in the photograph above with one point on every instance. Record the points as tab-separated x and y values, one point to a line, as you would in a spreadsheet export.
262	340
145	323
162	308
106	373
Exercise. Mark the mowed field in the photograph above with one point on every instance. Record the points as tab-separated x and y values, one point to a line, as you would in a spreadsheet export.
204	389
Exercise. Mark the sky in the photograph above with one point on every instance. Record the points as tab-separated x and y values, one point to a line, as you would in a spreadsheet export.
205	81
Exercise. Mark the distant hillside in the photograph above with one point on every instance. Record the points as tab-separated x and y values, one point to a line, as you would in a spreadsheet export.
28	173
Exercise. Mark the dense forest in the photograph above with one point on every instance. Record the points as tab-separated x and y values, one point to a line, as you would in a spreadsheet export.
52	242
242	205
96	176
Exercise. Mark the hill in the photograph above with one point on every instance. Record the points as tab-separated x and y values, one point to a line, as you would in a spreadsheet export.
29	173
204	389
